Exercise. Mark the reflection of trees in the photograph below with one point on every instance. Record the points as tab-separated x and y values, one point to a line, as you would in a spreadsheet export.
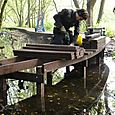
106	100
8	42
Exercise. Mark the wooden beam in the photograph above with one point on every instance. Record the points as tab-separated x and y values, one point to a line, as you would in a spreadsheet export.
46	55
91	36
17	66
7	61
51	48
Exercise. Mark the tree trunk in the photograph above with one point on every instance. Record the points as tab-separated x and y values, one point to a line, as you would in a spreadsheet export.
101	11
90	6
2	11
28	20
76	3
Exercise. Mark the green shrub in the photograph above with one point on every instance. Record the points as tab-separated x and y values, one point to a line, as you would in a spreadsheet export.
48	26
113	54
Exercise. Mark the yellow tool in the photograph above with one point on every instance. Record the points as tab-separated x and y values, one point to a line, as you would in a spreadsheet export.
79	40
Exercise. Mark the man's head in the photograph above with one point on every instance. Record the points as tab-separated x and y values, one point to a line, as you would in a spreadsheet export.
114	10
81	14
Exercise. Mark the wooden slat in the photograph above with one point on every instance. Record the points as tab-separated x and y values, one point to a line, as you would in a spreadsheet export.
51	48
91	36
11	60
17	66
49	55
96	43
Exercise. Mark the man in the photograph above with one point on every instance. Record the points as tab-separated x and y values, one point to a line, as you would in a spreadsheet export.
64	20
114	10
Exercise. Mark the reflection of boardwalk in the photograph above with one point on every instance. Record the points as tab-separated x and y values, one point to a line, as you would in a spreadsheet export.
69	96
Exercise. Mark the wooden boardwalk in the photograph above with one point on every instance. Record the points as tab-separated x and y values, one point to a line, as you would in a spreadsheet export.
47	58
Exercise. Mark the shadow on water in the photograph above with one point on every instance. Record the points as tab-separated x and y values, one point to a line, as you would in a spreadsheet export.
69	97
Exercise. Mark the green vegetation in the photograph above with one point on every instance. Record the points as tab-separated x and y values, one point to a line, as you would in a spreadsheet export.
113	54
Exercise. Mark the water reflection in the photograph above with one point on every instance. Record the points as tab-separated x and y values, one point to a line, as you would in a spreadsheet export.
69	97
111	83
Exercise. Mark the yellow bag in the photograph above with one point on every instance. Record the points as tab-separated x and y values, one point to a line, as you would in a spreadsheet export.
79	40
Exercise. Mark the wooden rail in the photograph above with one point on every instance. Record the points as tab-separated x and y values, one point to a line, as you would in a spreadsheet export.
6	67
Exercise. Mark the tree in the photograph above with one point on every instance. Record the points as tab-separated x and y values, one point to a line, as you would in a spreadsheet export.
2	7
101	10
90	6
24	12
76	3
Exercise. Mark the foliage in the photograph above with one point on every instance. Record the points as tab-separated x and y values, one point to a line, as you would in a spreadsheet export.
5	41
109	32
48	26
24	13
83	26
2	8
113	54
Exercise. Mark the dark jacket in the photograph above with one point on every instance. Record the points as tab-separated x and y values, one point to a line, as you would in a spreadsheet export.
67	18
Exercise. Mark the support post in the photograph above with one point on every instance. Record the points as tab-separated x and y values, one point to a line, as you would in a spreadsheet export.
3	91
49	78
40	86
85	73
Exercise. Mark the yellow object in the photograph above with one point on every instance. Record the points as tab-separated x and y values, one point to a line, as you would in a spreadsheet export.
79	40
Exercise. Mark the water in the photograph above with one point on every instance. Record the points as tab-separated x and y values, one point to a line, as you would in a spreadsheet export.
68	96
111	83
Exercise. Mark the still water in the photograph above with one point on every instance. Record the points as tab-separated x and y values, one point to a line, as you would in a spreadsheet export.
69	97
111	83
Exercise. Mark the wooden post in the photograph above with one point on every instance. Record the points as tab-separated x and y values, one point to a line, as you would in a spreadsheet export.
40	78
40	86
49	78
85	73
100	60
3	91
67	72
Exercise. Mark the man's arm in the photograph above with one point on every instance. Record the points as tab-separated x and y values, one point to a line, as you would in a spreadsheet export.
57	19
76	32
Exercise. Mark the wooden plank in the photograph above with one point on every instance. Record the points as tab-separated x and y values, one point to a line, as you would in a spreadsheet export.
11	60
6	61
79	52
17	66
92	36
46	55
51	48
92	50
96	43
